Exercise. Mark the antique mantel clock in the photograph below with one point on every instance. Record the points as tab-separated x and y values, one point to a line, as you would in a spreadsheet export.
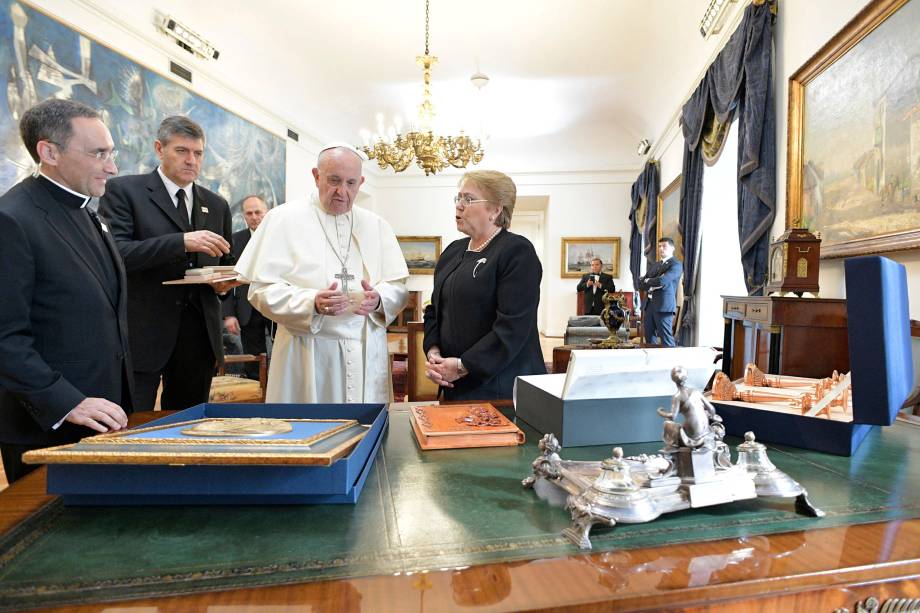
794	258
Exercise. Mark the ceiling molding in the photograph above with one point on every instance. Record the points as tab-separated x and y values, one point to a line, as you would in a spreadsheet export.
664	140
200	69
597	177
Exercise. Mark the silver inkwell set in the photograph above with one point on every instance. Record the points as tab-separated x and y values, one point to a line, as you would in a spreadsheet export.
694	469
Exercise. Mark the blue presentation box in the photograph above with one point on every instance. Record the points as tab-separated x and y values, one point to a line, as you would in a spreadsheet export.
881	363
144	484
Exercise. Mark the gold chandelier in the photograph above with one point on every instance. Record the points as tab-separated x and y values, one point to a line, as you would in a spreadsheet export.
431	152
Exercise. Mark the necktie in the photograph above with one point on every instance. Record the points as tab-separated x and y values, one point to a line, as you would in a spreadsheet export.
183	210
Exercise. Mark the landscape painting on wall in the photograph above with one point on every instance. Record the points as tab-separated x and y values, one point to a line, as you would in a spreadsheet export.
42	58
854	135
577	253
421	253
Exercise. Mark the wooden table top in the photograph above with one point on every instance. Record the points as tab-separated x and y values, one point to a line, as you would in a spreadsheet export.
808	570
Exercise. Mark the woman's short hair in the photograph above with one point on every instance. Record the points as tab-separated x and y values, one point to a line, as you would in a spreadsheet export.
500	190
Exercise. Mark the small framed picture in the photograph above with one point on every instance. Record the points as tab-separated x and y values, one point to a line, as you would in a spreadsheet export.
578	251
421	253
669	217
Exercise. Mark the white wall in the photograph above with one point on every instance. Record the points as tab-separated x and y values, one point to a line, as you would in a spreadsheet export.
579	204
720	252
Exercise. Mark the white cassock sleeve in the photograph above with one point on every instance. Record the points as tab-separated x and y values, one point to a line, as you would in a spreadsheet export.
270	264
391	276
283	263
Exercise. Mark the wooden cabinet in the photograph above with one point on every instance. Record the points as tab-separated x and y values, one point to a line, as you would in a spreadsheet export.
805	337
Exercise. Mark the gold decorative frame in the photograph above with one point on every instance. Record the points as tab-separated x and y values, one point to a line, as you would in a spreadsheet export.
435	242
102	449
663	200
843	42
569	272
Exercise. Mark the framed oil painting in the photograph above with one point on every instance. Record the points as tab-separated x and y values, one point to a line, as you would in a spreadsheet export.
41	57
578	251
669	217
421	253
854	135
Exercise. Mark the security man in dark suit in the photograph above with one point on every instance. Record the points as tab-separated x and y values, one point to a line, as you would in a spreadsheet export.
594	284
164	224
660	282
239	316
65	369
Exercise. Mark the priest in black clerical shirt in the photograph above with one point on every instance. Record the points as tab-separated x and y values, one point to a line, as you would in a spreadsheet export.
65	369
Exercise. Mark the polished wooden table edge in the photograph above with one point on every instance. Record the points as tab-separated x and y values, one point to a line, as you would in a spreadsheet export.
554	583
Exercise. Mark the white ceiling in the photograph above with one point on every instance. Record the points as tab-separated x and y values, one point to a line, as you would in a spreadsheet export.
574	85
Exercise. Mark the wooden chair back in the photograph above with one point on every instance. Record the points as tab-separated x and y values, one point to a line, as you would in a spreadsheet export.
418	386
262	359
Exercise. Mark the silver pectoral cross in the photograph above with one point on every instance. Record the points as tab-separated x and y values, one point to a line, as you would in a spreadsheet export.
344	277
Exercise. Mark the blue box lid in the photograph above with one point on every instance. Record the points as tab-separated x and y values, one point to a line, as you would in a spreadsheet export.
878	328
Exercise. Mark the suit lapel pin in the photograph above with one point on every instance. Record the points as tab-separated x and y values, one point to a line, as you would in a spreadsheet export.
478	262
204	209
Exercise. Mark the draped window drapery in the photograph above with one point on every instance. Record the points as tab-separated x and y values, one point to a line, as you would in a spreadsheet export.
738	83
644	217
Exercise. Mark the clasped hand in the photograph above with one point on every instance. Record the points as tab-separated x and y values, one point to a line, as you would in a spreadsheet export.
330	301
441	370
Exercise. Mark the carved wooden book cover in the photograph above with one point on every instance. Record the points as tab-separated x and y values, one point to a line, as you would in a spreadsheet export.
463	425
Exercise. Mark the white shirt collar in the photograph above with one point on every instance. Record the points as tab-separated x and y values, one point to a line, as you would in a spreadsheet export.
172	188
86	198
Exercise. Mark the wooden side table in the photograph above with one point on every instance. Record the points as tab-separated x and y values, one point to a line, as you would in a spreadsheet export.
562	353
803	337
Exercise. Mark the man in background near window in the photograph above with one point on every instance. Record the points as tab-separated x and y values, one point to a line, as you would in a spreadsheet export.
332	276
164	224
594	284
239	316
660	282
65	369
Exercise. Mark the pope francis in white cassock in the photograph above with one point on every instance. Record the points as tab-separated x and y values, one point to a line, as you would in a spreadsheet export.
332	276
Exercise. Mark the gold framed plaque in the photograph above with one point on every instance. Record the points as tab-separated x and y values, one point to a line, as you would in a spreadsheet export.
228	440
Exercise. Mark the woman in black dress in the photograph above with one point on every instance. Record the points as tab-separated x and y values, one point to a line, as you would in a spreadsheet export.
481	325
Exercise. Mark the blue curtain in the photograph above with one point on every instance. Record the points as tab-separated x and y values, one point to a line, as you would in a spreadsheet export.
738	83
645	188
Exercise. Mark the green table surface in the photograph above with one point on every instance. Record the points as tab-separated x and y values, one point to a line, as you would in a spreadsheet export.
419	510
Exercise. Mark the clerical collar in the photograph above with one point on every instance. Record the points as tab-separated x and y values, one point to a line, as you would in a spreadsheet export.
64	194
172	188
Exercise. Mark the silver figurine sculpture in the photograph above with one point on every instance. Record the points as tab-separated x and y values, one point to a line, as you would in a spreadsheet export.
693	470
